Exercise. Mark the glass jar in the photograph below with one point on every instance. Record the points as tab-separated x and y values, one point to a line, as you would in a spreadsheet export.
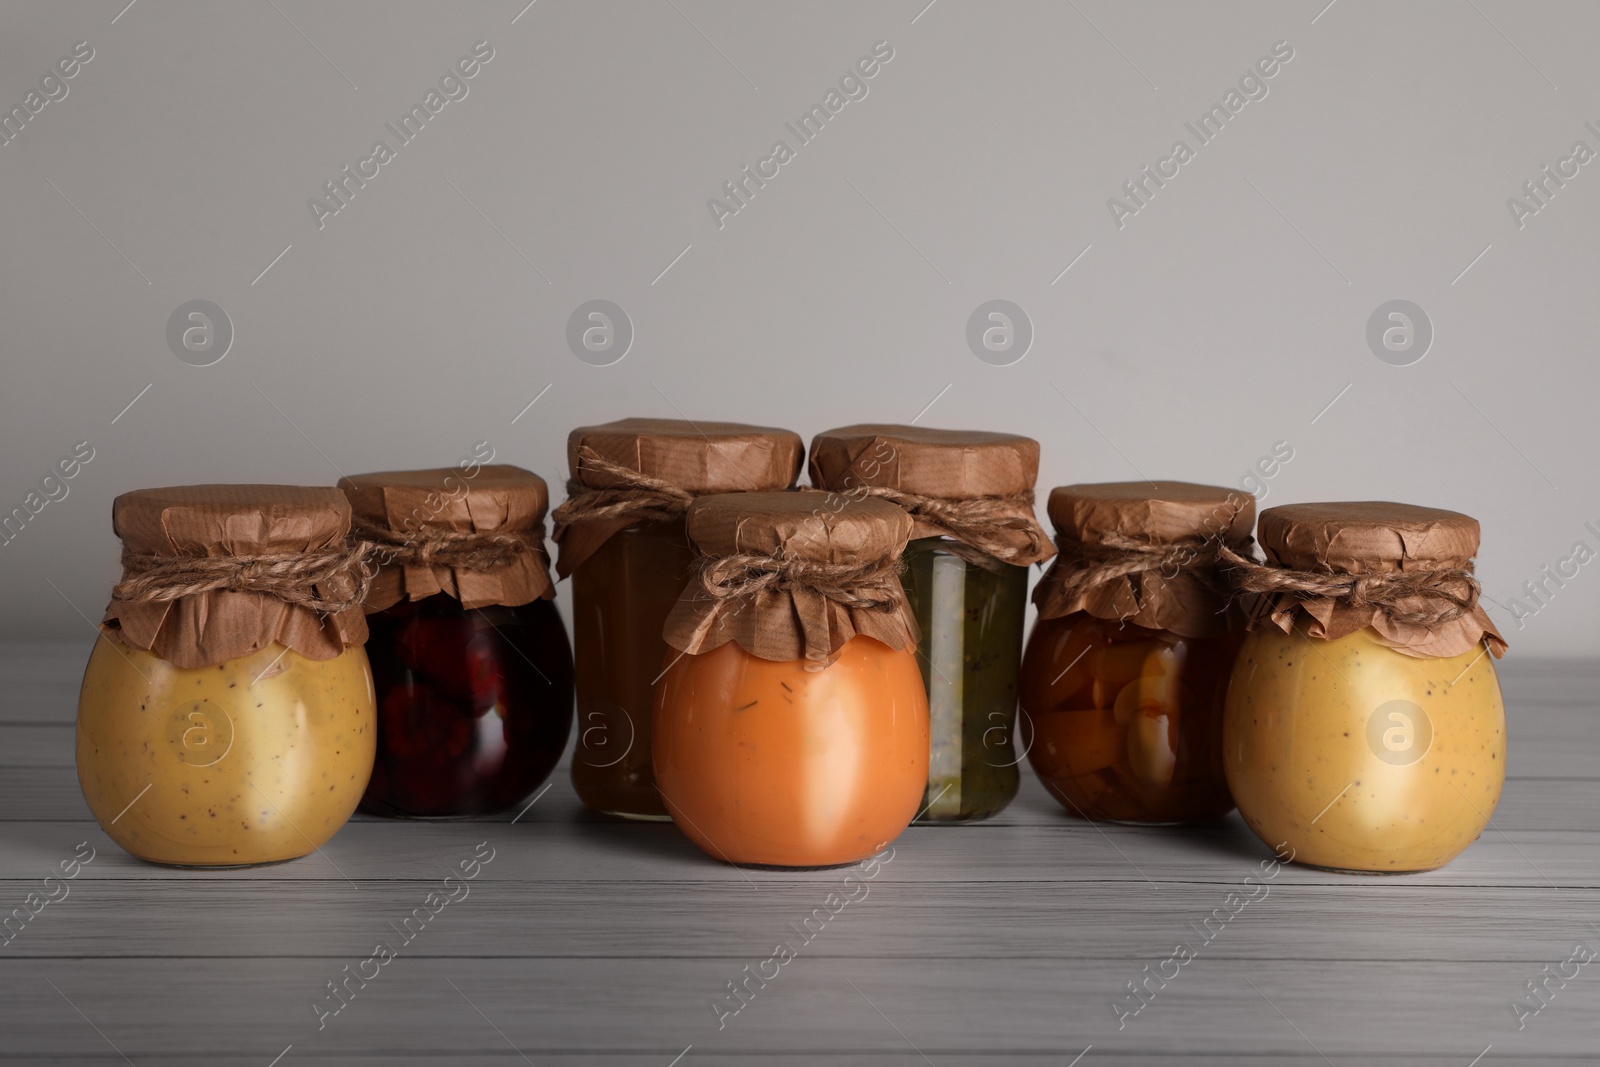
474	707
622	539
1356	735
970	495
252	760
1125	672
771	763
971	618
469	656
1126	721
620	597
791	724
227	717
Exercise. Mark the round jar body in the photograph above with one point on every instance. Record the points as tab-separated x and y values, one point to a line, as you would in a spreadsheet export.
474	707
971	617
621	596
1359	758
254	760
1127	721
764	762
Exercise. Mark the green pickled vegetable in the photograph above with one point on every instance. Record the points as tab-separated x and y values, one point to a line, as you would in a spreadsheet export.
971	615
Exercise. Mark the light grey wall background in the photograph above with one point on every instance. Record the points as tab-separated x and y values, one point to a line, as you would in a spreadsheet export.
1226	316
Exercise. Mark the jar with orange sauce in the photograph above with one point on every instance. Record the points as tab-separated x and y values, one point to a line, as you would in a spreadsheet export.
226	717
1365	728
791	724
1126	669
622	541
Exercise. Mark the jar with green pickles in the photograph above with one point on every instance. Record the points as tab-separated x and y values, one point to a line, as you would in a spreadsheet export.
966	581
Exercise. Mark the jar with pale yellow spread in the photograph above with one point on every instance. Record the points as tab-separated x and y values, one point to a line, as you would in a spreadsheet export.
226	717
1364	728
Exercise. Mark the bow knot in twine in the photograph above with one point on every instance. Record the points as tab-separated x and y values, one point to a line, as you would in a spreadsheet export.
1447	593
873	585
1083	566
329	580
637	497
988	523
467	551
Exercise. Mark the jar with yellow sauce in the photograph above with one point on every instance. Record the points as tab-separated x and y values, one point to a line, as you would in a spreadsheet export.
226	717
1364	727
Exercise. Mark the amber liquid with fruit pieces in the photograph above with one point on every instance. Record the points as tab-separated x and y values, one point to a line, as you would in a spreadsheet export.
1127	721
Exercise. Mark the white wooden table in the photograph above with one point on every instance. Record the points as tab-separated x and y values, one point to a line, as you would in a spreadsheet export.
596	943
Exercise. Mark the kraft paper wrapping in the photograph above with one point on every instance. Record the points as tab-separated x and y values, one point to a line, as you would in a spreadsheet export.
481	499
698	457
947	465
1374	537
793	623
1182	591
231	520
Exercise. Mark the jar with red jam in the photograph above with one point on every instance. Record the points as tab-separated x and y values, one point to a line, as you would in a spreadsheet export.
622	541
1127	668
470	660
791	723
970	495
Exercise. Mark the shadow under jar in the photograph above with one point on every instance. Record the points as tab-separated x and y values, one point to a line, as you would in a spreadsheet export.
226	715
970	495
791	724
470	660
1125	672
623	542
1365	731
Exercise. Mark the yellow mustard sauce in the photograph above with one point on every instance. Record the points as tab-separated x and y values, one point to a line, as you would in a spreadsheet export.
254	760
1361	758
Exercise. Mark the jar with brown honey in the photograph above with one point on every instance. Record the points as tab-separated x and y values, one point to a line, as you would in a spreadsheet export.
622	540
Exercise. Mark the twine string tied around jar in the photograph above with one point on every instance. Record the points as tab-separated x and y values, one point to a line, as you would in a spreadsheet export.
872	585
458	550
1449	593
1082	566
987	523
636	497
328	580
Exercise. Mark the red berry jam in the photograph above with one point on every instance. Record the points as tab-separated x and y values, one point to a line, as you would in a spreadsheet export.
474	706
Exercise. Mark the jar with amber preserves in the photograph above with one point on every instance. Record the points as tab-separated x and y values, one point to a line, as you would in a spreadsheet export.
622	540
226	715
469	657
1364	728
1125	671
791	725
966	580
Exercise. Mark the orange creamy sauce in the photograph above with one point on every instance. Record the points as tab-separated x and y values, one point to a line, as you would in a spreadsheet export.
764	762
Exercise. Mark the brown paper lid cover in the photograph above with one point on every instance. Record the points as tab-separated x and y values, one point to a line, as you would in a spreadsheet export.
948	465
697	457
1181	591
498	498
1373	537
793	623
231	520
